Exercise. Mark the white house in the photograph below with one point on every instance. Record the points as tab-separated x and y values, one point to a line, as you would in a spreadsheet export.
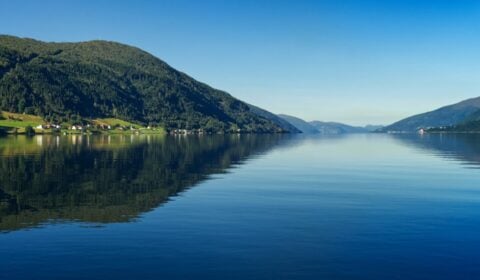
77	127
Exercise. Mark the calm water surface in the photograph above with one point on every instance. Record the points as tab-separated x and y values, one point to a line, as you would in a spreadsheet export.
240	207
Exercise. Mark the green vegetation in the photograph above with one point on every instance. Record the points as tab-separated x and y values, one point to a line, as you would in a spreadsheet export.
112	122
12	120
471	125
29	131
74	82
13	123
446	117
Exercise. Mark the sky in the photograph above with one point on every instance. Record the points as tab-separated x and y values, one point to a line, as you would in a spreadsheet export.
358	62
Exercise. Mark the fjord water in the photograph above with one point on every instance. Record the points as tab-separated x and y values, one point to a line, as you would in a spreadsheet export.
366	206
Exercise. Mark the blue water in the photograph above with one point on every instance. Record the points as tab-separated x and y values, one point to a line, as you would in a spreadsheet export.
366	206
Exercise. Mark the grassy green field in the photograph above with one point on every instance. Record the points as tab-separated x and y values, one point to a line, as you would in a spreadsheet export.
114	122
12	120
16	123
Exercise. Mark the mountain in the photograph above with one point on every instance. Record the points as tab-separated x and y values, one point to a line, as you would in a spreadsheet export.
470	124
274	118
336	128
445	116
325	127
372	128
71	82
300	124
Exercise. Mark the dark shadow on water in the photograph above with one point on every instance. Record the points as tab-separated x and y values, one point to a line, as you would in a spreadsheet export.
105	179
464	148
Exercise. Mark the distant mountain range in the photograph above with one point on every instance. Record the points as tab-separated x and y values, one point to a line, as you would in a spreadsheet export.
75	82
284	124
462	116
318	127
336	128
300	124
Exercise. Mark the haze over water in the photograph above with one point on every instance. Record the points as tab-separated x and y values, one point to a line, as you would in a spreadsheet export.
365	206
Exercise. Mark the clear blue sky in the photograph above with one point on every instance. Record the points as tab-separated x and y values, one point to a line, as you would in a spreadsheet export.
353	61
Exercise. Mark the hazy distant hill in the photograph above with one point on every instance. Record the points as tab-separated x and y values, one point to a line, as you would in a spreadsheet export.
336	128
274	118
326	127
445	116
73	81
372	128
300	124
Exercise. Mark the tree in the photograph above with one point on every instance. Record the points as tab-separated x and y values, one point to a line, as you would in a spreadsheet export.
29	131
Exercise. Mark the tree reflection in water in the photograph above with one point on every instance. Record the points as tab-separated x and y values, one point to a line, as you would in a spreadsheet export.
103	179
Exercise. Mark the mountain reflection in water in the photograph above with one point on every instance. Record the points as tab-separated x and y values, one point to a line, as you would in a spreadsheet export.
462	147
104	179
